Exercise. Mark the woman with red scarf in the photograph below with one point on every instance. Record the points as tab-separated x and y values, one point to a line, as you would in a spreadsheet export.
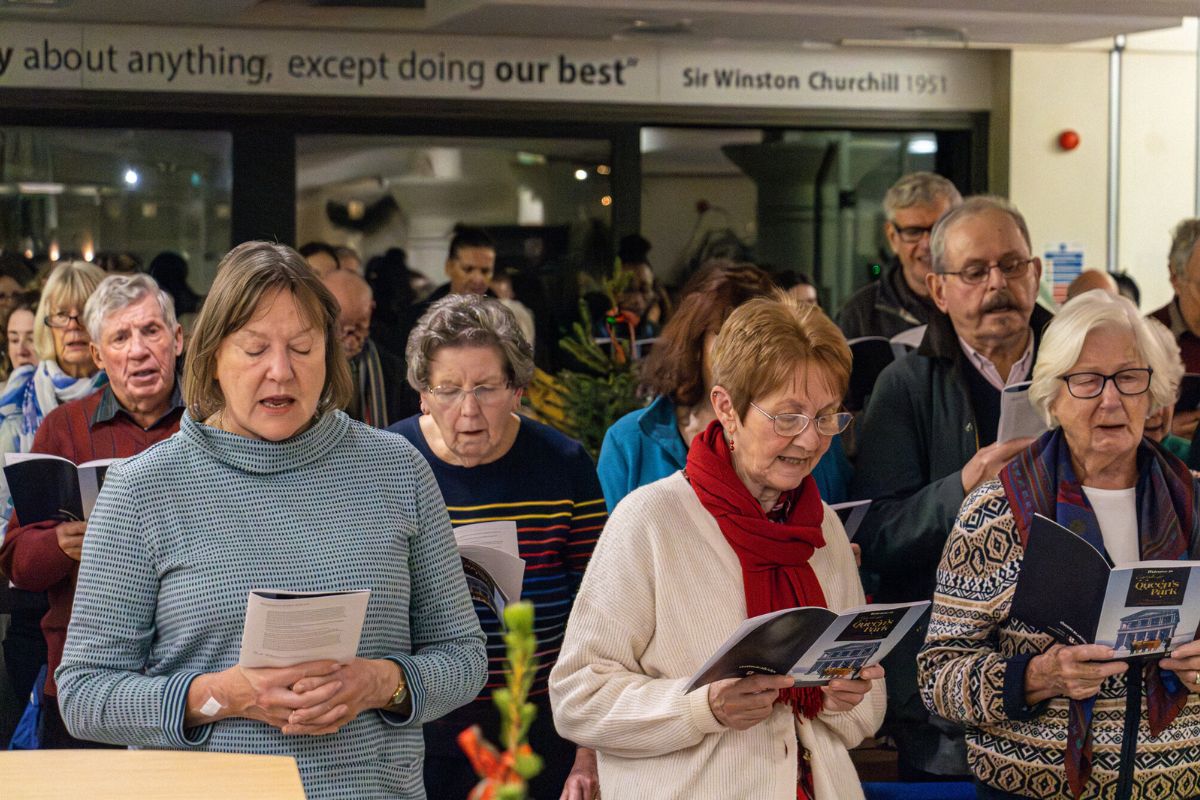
682	562
1045	719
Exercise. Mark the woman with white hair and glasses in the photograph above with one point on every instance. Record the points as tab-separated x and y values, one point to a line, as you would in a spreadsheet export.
470	363
1051	720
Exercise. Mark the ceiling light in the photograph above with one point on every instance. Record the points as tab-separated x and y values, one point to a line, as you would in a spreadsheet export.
922	146
40	187
131	177
933	33
581	174
603	169
653	27
35	3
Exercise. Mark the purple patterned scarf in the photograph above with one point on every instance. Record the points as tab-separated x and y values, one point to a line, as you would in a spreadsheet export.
1041	480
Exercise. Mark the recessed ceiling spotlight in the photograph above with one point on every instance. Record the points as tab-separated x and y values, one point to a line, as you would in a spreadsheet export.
933	33
26	4
654	27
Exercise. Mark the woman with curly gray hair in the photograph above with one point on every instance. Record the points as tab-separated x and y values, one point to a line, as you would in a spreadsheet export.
470	363
1045	719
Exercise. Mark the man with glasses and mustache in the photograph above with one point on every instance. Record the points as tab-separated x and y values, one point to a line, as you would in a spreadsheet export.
928	437
899	300
381	395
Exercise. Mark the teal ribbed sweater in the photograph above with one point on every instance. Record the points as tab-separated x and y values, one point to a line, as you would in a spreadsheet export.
182	532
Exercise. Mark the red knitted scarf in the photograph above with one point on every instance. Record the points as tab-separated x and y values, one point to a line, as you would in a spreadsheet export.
774	555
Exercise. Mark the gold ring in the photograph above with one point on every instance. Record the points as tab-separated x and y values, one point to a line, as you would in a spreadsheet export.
1196	677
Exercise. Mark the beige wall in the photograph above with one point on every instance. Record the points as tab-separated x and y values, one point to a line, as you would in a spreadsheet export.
669	215
1064	194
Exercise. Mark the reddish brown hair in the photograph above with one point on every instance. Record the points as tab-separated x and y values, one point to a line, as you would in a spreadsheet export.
766	339
674	366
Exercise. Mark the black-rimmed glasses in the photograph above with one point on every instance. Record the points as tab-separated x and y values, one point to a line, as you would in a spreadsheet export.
61	320
1086	385
792	425
911	234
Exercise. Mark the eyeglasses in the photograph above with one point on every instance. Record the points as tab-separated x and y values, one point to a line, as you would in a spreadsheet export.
61	320
977	272
791	425
1130	382
911	234
485	395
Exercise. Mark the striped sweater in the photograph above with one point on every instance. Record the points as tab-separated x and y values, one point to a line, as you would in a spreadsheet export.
547	484
181	534
972	671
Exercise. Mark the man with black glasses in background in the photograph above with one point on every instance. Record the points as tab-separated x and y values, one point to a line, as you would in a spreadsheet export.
928	437
899	300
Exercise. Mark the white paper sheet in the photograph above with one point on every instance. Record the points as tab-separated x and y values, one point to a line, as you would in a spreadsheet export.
283	628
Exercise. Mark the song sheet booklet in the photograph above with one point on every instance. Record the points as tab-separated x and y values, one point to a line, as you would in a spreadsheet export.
813	645
491	563
284	628
1068	589
52	488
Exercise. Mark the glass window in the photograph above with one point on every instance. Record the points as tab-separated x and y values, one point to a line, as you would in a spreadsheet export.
118	197
541	199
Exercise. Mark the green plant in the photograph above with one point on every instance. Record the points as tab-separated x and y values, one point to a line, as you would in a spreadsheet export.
584	403
505	775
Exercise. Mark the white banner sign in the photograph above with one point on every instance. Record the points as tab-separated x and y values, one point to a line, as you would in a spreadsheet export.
244	61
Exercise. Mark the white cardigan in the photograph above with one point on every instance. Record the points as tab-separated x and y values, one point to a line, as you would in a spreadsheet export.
662	592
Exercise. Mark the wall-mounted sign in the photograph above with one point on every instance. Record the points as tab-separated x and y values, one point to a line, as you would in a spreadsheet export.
1064	262
246	61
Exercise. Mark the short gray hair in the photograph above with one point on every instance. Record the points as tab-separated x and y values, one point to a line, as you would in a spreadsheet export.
1063	341
468	320
118	291
1183	243
919	189
972	207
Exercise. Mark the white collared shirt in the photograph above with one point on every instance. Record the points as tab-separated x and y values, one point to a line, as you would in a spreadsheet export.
1019	371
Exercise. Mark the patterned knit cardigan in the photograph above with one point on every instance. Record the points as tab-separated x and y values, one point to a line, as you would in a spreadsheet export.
962	677
182	532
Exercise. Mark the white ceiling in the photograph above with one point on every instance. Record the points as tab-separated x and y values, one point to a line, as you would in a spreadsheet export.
975	22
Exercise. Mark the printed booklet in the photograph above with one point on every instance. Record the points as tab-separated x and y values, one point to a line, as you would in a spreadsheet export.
491	563
815	645
285	628
852	513
46	487
1067	589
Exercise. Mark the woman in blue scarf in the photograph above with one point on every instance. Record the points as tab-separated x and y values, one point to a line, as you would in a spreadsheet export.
66	371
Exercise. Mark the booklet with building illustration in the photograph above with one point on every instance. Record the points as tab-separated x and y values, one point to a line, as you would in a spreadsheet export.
815	645
46	487
283	628
1067	589
491	563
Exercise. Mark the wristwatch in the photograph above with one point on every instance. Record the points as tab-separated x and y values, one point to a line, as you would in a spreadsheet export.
401	693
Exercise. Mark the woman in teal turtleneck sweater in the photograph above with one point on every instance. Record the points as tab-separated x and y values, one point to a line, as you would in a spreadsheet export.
269	486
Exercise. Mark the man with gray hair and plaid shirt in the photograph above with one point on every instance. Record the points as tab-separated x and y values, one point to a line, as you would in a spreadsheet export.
136	340
899	300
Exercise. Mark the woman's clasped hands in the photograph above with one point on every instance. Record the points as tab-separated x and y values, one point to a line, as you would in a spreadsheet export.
313	699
